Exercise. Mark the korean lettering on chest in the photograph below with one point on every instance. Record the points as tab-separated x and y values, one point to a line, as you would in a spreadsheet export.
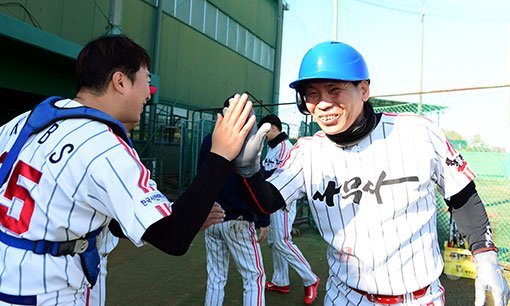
364	175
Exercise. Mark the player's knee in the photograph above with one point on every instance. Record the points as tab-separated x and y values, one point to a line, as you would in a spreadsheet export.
280	245
252	278
217	284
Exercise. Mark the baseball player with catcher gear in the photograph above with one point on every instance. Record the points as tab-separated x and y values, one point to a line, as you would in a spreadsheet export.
236	235
283	249
370	181
68	170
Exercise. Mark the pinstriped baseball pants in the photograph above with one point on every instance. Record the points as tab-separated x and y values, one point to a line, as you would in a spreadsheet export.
239	239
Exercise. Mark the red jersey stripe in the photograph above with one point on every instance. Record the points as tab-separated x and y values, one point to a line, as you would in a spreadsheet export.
163	209
253	197
144	175
260	286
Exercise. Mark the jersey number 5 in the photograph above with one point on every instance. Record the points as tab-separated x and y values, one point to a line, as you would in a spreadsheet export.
17	217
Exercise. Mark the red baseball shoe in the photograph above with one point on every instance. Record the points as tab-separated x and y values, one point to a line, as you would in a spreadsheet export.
311	292
282	289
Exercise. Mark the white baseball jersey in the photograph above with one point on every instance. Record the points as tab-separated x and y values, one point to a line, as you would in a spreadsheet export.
70	179
283	249
374	202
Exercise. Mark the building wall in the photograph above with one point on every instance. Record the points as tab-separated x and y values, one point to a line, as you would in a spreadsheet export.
196	69
209	49
259	16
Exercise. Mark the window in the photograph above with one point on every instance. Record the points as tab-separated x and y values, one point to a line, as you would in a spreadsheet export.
241	39
271	59
263	54
197	14
169	7
256	49
210	20
221	30
232	34
248	48
183	10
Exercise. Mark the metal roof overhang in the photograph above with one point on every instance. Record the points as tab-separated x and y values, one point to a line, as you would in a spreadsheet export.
35	61
24	32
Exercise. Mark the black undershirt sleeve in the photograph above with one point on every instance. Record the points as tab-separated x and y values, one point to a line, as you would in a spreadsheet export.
263	197
174	234
471	218
115	229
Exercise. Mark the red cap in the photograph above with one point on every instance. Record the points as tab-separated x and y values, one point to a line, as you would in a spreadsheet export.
152	89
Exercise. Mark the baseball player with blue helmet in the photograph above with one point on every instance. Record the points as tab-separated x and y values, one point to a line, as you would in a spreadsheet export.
370	180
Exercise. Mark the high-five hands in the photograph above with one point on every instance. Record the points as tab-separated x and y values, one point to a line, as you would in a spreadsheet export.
247	162
232	127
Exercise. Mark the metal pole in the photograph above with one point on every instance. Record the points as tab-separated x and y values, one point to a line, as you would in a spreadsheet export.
115	17
508	68
155	77
278	54
420	101
335	20
157	38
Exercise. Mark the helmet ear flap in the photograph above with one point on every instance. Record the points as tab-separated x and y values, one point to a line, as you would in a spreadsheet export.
301	103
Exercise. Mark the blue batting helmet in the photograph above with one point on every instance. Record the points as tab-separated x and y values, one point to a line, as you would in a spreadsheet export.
329	61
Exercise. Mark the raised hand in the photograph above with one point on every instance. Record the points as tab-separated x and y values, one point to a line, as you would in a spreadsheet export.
232	127
247	163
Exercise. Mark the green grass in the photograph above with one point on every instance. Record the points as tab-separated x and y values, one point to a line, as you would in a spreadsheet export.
147	276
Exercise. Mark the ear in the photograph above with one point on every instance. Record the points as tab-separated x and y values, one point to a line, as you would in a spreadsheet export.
119	80
364	87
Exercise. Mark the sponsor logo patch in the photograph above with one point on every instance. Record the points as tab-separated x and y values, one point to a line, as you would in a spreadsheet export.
153	198
457	162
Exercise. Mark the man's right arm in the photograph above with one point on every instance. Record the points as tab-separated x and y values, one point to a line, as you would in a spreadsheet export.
262	196
174	234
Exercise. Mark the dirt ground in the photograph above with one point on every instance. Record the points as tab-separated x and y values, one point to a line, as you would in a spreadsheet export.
147	276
